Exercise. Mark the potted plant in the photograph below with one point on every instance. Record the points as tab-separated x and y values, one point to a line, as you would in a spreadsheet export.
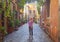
11	27
35	21
17	24
3	32
24	21
20	22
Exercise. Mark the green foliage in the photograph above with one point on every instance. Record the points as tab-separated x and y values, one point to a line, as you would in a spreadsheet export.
0	7
24	20
0	0
0	11
21	3
6	8
4	4
28	1
17	22
7	12
14	12
12	23
35	21
39	4
3	29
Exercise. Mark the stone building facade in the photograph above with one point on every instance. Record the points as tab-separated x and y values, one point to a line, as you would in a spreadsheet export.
49	18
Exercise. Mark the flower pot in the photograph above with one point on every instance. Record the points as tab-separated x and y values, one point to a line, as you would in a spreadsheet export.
16	28
10	30
2	34
21	24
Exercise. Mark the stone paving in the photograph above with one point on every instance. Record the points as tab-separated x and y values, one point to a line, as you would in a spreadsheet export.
39	35
22	35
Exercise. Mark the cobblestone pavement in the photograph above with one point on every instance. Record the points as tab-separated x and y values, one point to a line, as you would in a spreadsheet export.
22	35
39	35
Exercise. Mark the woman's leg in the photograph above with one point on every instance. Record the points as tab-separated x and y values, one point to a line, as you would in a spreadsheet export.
31	30
30	34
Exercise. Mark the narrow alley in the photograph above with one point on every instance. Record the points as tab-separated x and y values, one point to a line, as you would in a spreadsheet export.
29	21
22	35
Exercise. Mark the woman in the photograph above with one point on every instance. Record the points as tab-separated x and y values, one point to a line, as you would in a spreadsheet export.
31	26
30	29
